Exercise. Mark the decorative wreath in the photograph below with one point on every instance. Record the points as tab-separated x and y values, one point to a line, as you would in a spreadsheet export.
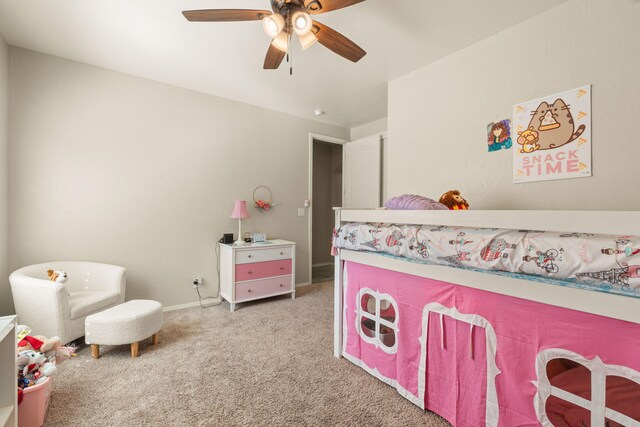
260	204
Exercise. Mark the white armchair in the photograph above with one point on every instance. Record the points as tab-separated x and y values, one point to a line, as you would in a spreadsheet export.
51	308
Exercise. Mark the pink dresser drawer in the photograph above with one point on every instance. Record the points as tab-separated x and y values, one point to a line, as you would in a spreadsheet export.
260	270
262	288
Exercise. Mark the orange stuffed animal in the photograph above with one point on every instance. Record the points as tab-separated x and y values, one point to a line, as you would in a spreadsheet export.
454	201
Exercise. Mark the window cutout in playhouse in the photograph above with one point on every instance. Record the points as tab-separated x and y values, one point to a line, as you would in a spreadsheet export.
387	335
368	304
377	319
575	391
386	330
617	389
570	376
611	423
563	413
387	311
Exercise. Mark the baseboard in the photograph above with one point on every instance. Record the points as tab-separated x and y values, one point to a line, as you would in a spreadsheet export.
321	264
197	304
187	305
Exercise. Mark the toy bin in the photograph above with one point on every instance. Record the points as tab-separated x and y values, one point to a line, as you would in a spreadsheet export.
34	404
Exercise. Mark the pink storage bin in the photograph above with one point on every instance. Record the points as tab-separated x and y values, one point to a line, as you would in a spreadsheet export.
34	404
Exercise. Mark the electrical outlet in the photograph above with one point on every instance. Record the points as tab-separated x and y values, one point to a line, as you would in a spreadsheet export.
301	212
196	282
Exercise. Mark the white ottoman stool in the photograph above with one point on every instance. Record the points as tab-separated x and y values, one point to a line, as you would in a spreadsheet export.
127	323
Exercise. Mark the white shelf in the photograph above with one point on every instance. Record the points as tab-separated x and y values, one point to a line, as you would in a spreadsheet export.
5	414
8	373
6	326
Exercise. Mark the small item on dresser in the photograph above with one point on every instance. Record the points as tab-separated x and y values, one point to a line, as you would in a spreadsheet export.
454	201
227	238
410	202
258	237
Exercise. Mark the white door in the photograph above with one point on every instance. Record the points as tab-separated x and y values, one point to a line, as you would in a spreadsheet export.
362	173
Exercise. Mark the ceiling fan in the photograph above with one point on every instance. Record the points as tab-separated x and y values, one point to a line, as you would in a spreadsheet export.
289	17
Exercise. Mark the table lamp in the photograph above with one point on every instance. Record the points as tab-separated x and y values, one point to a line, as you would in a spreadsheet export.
240	213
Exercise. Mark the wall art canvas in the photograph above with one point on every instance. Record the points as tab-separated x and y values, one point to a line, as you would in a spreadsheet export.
553	137
499	135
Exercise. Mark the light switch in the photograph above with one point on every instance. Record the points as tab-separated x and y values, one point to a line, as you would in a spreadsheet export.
301	211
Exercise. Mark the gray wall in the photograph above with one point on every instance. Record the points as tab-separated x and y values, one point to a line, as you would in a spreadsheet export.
113	168
375	127
327	194
438	114
6	303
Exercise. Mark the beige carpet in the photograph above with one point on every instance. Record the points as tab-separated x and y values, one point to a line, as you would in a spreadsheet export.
269	363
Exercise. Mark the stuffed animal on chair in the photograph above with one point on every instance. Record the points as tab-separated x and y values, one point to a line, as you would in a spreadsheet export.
454	201
57	276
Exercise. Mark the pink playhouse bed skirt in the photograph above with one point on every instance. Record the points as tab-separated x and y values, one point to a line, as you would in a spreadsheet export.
479	358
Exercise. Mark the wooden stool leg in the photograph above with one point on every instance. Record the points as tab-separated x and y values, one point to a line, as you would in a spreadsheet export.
134	349
95	351
155	338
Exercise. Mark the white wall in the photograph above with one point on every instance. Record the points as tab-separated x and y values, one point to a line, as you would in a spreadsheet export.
6	303
113	168
375	127
438	114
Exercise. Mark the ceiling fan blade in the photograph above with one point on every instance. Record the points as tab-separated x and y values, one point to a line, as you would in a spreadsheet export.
333	40
316	7
274	58
225	15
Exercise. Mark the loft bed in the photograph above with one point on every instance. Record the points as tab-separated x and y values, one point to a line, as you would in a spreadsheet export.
376	325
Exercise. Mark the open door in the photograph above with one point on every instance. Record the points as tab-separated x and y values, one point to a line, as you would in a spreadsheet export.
362	173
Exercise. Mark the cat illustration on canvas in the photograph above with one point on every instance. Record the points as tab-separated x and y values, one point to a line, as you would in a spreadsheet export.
554	125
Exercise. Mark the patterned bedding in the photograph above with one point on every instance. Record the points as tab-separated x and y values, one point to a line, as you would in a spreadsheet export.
605	263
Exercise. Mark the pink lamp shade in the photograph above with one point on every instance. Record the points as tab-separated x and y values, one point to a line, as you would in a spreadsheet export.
240	210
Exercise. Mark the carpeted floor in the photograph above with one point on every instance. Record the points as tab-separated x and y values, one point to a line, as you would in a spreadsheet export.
269	363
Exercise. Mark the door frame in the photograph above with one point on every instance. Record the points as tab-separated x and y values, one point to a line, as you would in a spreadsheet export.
330	140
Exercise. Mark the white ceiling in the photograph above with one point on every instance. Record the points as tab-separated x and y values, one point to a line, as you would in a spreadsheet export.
151	39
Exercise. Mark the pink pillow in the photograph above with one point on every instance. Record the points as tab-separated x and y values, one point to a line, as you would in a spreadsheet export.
412	202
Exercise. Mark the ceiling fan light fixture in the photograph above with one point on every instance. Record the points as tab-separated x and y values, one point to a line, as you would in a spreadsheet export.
301	23
281	42
273	25
307	40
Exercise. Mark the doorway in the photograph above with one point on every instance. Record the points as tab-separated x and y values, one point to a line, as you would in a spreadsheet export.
326	190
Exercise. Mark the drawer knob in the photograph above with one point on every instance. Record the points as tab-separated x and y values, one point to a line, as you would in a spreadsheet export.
250	272
281	285
249	291
281	268
281	253
248	256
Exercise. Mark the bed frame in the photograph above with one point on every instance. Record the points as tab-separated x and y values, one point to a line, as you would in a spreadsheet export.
596	222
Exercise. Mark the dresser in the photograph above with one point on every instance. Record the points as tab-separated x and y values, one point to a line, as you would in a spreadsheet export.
257	270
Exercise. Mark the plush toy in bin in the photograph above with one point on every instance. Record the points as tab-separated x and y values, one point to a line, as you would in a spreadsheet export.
33	368
51	347
37	357
454	201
